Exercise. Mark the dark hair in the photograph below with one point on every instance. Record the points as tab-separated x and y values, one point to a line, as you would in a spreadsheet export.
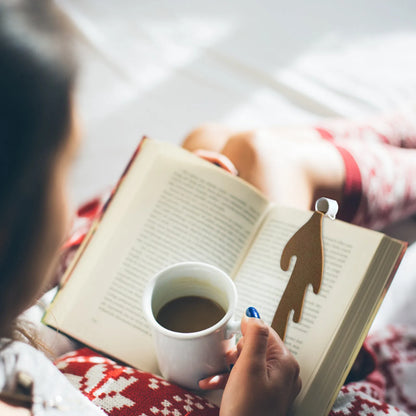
37	72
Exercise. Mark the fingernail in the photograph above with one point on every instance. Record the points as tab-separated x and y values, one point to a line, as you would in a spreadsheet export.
252	312
212	379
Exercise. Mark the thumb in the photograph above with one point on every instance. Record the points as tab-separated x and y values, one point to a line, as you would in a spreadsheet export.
256	335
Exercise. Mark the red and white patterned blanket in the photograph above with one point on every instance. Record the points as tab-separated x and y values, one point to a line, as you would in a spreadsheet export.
123	391
390	389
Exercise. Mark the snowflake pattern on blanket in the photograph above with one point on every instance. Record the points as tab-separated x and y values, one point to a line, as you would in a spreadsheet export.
389	389
125	391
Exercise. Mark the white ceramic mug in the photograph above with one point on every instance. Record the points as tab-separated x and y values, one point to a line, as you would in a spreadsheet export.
186	358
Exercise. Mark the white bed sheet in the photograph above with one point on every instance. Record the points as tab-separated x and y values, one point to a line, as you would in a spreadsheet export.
160	68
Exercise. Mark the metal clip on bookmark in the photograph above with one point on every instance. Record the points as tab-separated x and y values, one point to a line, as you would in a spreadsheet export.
328	207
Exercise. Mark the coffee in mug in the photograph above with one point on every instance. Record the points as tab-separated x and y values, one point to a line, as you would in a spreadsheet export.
190	314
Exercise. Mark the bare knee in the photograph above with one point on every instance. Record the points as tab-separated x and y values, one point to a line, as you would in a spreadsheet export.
243	149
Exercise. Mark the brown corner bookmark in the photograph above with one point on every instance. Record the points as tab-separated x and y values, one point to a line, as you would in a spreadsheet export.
306	245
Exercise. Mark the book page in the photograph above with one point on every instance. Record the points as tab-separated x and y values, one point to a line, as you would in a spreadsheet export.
348	251
176	208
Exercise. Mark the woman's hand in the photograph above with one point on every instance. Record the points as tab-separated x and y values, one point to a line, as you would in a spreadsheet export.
265	378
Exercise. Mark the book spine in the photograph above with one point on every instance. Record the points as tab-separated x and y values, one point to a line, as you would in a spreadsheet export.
96	222
124	174
79	253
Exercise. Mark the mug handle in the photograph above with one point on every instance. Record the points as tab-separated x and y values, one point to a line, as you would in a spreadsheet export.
232	328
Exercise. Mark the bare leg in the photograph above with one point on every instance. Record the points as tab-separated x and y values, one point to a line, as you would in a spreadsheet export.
291	166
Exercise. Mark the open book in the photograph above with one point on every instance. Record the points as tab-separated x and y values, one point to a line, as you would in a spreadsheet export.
170	206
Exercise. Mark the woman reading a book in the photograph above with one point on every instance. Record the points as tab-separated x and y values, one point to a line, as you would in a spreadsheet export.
38	141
